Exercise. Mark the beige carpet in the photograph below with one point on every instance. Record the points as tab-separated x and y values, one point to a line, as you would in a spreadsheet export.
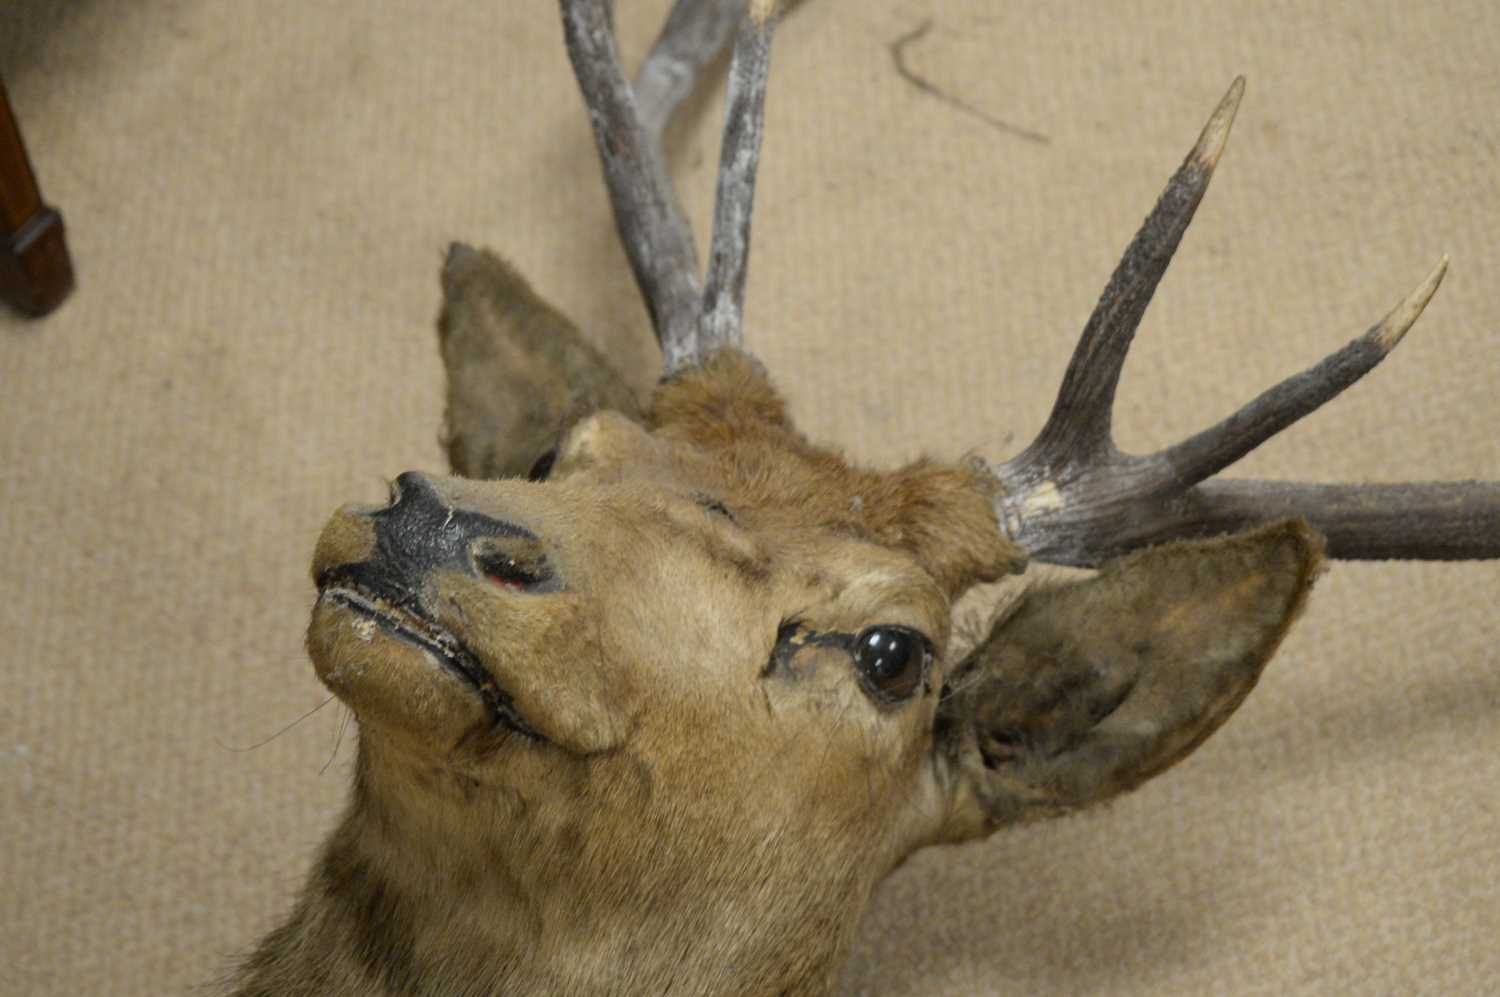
258	196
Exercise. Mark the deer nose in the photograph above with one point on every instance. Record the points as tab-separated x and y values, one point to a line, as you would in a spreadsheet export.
422	531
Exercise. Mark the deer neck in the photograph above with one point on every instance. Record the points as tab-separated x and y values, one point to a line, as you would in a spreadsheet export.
412	896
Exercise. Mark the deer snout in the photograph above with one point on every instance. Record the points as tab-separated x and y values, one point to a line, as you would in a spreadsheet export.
423	531
422	581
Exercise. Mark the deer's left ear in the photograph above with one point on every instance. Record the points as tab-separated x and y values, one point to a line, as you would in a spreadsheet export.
519	373
1087	690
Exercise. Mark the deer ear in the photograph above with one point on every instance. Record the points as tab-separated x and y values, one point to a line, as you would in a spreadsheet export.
1087	690
519	373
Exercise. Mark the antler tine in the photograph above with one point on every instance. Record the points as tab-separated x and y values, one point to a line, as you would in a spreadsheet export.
1214	449
695	32
653	229
734	199
1072	498
1078	428
689	322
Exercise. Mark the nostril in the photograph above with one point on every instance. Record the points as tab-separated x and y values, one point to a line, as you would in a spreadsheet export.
513	562
506	572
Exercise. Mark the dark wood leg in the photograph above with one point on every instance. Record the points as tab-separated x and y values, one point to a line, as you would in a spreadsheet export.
35	272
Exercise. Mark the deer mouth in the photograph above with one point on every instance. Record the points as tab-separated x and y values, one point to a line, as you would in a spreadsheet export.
405	622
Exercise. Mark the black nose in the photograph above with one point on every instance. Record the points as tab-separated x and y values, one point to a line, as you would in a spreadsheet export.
421	531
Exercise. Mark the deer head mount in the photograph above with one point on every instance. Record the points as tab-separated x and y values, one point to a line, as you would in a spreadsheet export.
651	695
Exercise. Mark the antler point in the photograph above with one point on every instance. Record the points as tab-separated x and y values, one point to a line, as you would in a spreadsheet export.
1216	133
762	11
1394	326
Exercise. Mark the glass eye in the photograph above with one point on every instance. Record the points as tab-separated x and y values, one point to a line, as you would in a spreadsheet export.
892	662
543	466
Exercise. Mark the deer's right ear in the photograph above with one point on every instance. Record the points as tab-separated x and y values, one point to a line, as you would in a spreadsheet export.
1087	690
519	373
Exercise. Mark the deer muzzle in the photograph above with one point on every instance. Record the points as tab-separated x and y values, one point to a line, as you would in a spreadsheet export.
385	570
421	533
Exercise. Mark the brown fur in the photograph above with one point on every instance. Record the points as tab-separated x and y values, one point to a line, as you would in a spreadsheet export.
940	514
1087	690
519	372
709	806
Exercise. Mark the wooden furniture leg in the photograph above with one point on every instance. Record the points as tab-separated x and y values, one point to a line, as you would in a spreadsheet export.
35	272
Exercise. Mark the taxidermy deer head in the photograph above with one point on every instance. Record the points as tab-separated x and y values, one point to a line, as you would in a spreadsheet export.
653	693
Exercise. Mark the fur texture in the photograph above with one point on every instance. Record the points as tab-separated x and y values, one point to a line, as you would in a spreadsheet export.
696	790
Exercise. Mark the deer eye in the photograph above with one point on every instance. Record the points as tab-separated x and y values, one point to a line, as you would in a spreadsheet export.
543	466
892	662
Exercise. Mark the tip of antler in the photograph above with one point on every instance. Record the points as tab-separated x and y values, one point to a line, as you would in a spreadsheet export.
762	11
1394	326
1216	133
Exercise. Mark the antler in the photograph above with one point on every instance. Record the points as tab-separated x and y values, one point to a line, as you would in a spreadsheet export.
690	321
1072	497
695	32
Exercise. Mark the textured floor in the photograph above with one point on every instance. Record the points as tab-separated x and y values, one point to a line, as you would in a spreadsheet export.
258	196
